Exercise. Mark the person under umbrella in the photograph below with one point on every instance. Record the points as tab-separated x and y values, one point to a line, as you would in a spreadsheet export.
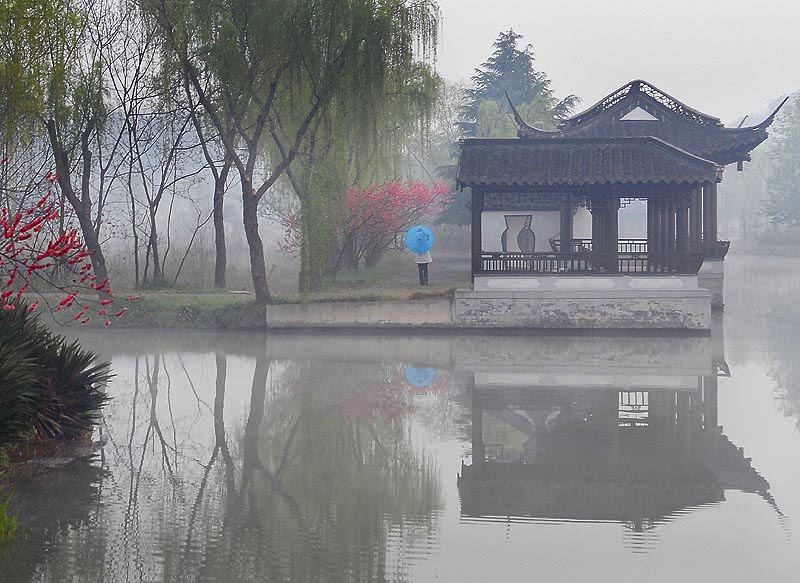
423	259
419	241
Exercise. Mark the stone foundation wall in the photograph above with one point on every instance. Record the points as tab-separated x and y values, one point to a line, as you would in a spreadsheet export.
712	278
622	310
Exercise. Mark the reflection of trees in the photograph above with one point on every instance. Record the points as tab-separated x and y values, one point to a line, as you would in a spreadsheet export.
784	368
302	489
761	311
48	518
321	494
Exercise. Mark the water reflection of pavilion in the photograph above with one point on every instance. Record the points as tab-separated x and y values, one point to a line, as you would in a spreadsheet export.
615	429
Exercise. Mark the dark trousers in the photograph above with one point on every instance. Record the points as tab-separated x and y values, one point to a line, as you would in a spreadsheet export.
423	273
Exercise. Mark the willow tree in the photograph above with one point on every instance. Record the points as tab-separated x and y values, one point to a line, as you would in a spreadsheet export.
353	147
254	63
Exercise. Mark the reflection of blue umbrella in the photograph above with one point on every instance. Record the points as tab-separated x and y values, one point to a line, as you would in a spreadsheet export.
419	377
419	239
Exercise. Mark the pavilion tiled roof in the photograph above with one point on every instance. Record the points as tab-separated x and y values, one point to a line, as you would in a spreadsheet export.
572	162
665	117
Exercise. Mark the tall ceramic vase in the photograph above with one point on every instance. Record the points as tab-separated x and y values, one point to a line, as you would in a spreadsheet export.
518	236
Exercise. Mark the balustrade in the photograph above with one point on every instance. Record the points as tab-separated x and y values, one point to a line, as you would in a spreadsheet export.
632	257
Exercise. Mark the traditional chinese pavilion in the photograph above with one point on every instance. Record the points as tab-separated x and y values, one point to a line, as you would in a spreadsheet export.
546	249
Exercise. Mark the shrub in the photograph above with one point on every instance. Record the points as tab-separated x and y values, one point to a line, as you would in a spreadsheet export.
49	387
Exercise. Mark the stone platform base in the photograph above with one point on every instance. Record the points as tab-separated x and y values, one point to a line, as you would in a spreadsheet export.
574	302
712	278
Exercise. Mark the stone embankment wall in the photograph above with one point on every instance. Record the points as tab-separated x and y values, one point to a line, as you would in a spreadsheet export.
611	304
437	313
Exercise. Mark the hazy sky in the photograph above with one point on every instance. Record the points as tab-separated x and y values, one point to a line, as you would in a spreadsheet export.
725	58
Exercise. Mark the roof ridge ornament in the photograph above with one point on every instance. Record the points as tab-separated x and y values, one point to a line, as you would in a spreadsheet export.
648	90
524	130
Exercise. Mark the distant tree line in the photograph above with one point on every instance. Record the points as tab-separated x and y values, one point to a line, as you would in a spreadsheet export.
783	187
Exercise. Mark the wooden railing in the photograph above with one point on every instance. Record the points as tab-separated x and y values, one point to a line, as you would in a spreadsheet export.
584	245
633	246
587	262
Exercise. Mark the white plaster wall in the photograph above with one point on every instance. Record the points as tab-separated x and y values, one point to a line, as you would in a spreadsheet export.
633	220
582	224
545	224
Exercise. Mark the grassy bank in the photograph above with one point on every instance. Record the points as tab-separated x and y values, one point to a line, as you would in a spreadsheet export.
393	279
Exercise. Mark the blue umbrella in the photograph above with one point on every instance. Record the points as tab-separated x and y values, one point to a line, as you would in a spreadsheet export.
419	239
419	377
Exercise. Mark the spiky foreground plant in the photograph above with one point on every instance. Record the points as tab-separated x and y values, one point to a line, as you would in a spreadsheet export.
49	387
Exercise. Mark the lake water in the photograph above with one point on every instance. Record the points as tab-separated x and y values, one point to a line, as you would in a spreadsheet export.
439	458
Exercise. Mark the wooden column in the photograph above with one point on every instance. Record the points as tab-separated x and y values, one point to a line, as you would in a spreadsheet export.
656	226
603	229
671	232
613	234
664	232
661	229
713	220
596	227
682	230
710	220
671	215
566	224
696	220
651	229
477	243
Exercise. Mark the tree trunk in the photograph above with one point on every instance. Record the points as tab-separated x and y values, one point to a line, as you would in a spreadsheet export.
374	256
158	272
81	205
220	255
348	261
92	243
134	232
304	280
258	265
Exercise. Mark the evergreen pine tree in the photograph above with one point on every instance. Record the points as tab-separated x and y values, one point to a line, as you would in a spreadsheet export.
510	70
